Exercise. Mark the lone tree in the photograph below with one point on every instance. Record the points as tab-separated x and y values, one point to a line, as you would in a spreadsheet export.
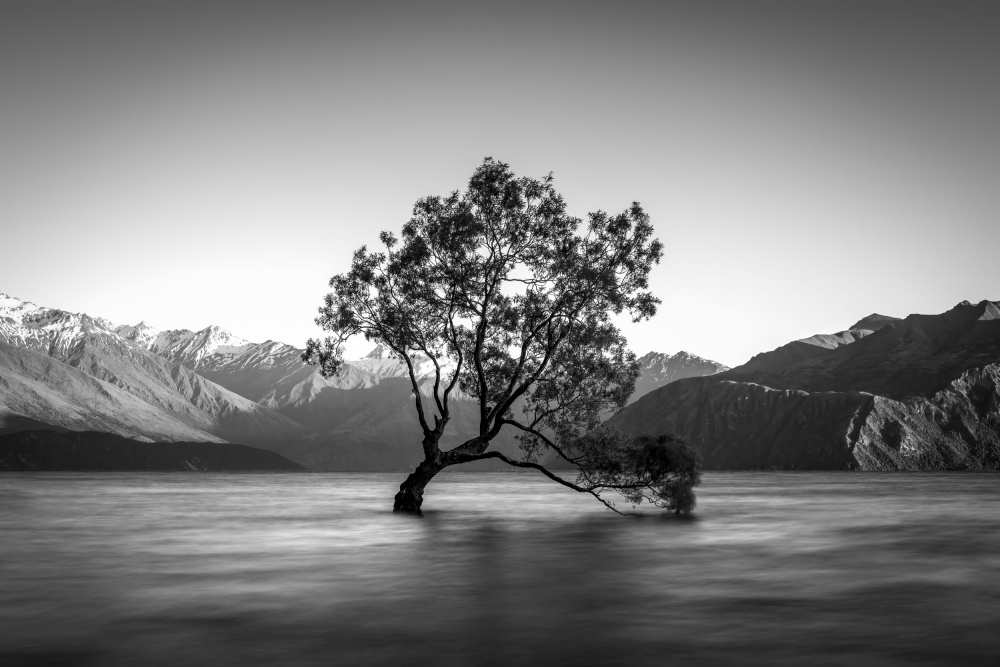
511	303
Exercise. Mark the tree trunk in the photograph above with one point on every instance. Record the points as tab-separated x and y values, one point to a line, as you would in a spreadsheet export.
411	491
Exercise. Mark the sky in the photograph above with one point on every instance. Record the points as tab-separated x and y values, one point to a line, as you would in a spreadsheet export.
804	163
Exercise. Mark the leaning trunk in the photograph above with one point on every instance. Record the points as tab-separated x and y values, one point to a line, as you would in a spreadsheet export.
411	491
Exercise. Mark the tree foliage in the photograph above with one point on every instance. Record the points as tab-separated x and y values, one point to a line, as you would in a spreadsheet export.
511	299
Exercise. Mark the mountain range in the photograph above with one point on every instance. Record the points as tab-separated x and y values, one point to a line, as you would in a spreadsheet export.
919	393
73	372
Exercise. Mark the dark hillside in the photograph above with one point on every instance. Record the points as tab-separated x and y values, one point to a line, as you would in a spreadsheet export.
90	450
922	393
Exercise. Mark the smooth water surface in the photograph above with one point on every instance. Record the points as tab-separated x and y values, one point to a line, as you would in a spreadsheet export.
502	569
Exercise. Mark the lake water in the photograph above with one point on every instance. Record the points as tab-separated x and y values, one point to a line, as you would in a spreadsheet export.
314	569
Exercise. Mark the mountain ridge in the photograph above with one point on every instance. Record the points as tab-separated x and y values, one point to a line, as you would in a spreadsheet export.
659	369
919	393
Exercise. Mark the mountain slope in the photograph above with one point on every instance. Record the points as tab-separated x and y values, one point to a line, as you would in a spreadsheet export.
37	390
917	394
207	411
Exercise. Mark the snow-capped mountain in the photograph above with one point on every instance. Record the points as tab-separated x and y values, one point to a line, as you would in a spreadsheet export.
33	327
659	369
271	373
183	346
69	370
142	334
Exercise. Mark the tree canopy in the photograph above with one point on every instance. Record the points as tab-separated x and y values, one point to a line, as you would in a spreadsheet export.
511	299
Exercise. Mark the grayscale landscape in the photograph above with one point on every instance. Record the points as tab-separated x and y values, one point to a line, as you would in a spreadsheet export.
550	333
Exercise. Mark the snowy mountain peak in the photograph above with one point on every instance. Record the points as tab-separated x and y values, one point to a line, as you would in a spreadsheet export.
378	353
142	334
48	330
186	347
219	341
659	369
652	359
9	303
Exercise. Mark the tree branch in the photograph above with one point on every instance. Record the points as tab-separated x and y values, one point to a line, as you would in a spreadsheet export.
416	388
575	460
545	471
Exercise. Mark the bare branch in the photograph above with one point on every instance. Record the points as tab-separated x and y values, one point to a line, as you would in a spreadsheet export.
545	471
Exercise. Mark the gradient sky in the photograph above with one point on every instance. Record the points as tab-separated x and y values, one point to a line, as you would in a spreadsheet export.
805	163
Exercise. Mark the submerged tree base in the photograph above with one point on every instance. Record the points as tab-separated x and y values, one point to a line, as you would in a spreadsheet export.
408	502
411	492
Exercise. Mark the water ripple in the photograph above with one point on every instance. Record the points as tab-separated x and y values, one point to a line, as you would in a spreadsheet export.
262	569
